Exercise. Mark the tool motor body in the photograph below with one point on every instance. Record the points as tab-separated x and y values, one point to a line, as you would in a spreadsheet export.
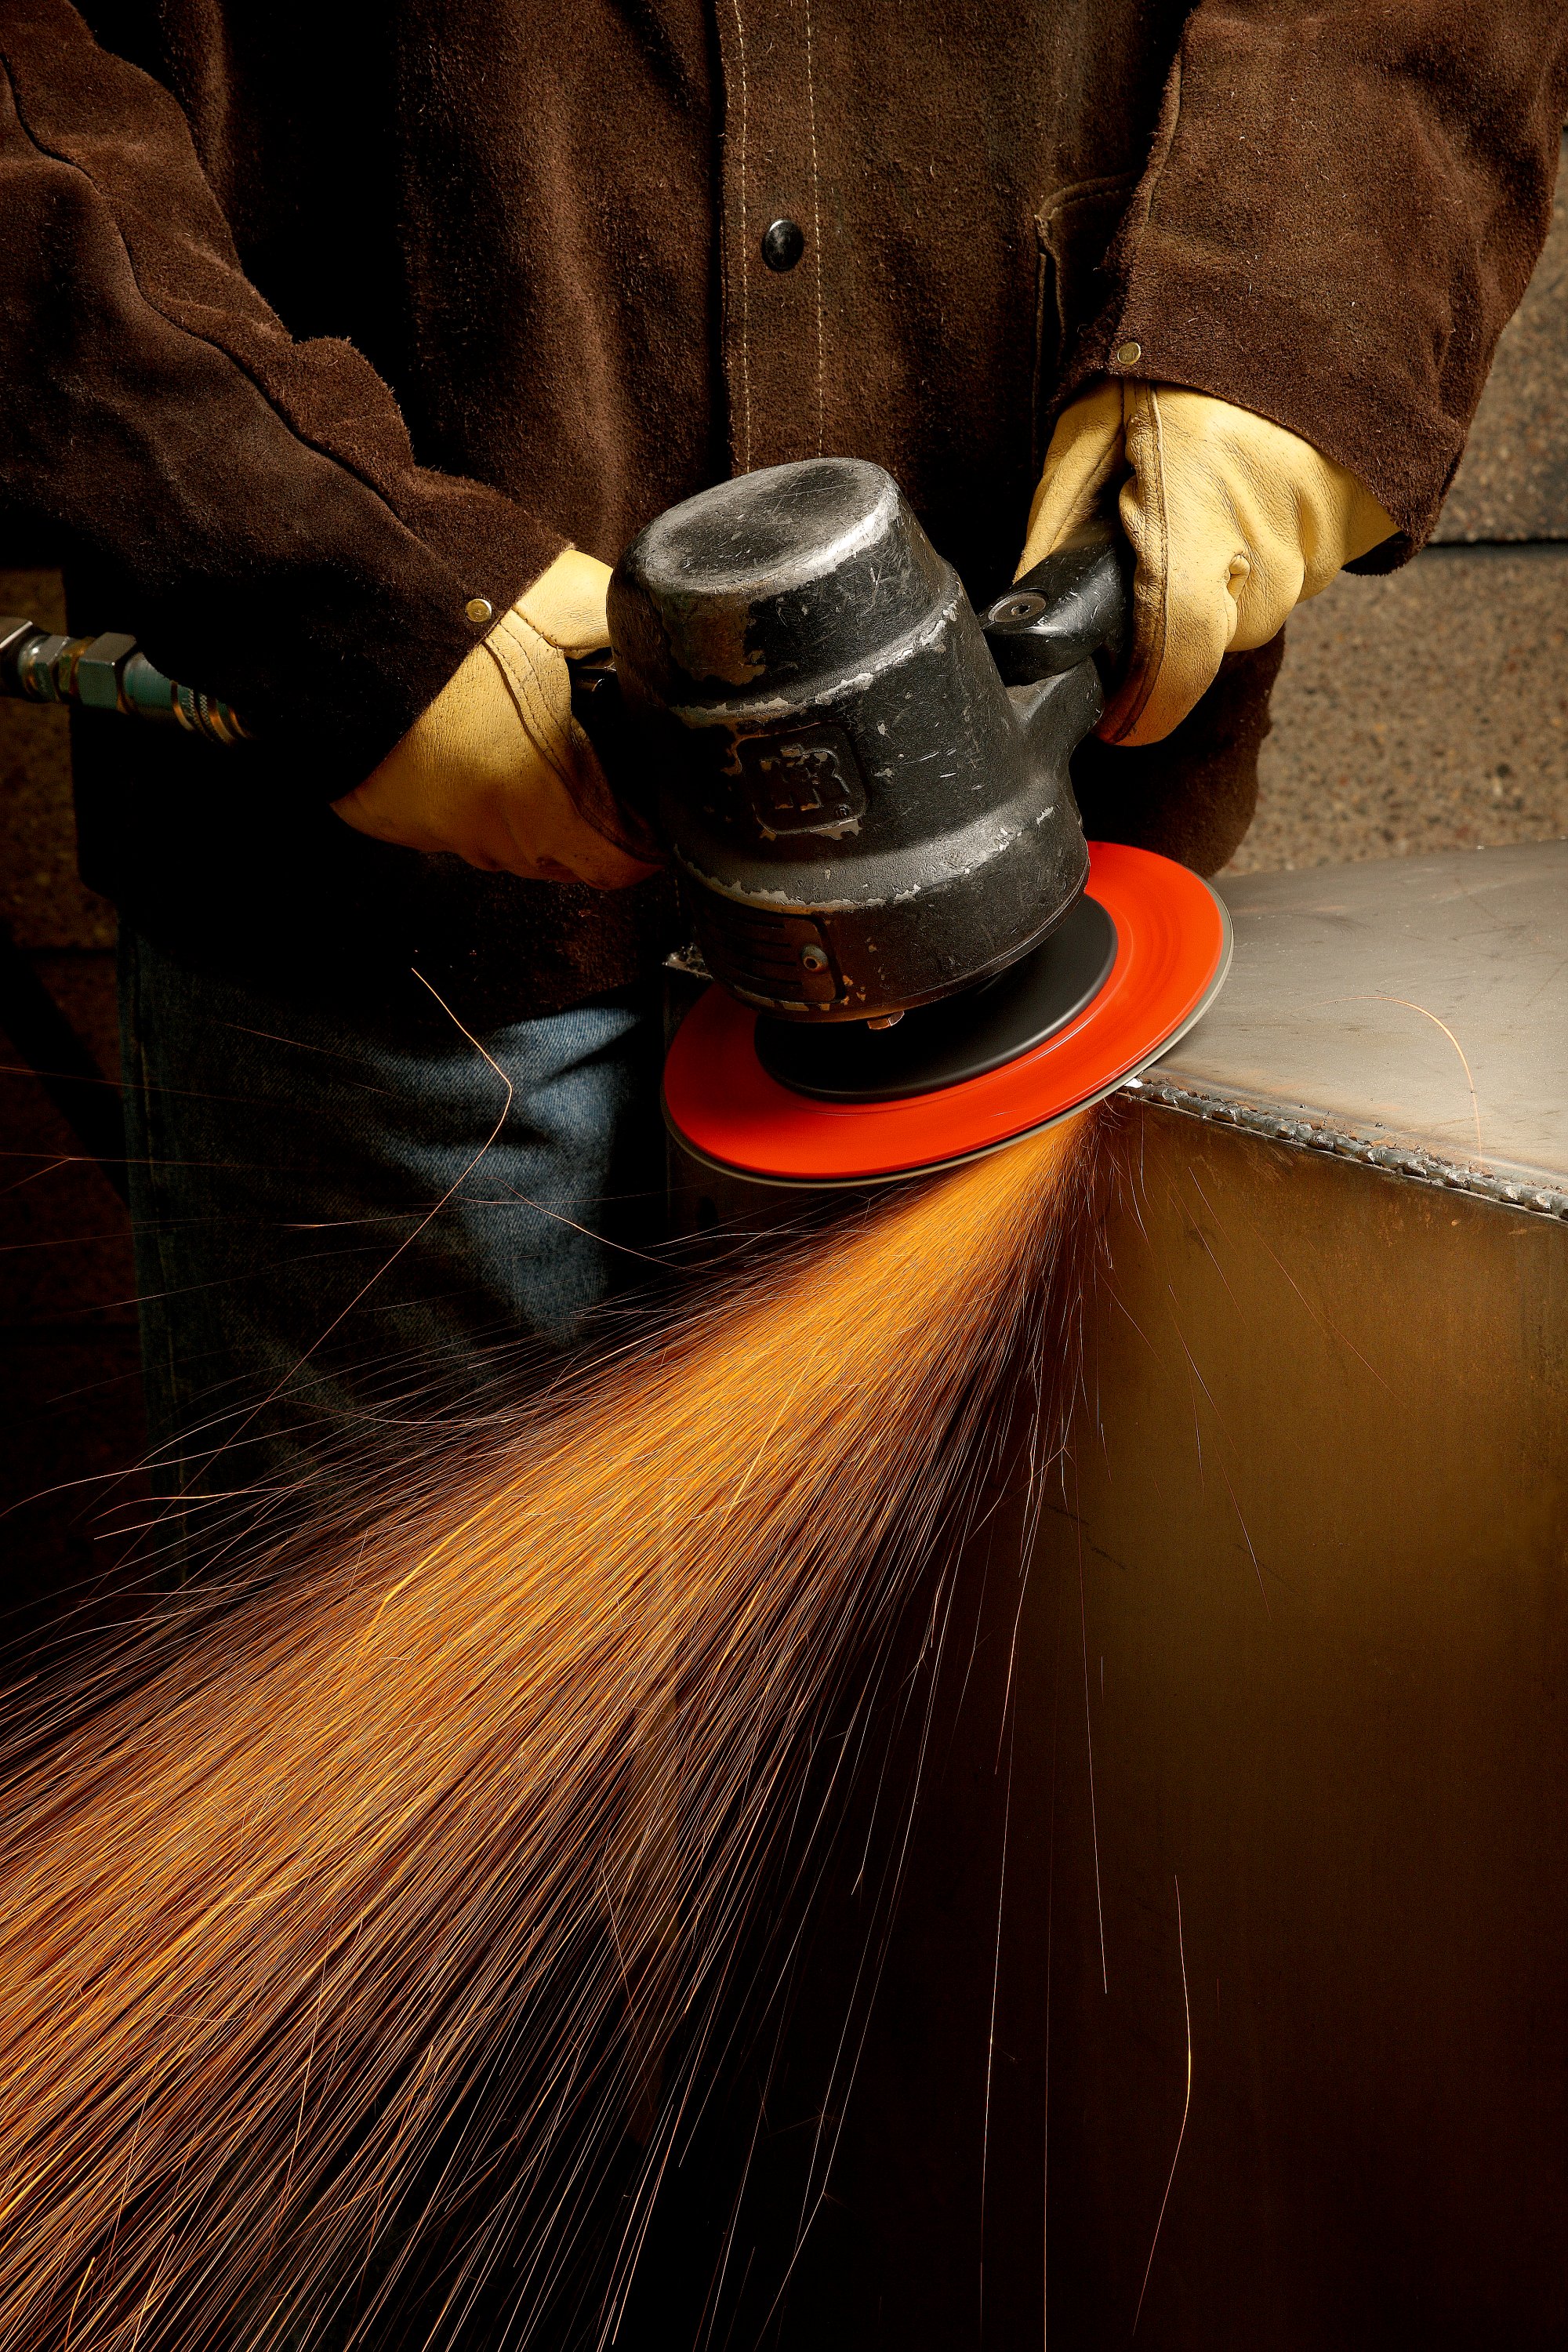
867	815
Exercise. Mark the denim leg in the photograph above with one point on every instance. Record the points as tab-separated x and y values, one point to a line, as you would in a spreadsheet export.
341	1216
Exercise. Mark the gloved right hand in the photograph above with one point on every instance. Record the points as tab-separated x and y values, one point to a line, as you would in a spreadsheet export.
1234	521
497	769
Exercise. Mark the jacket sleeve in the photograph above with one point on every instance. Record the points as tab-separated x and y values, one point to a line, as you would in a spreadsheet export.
250	504
1341	208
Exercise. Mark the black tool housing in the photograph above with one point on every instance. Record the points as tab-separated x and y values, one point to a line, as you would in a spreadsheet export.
866	814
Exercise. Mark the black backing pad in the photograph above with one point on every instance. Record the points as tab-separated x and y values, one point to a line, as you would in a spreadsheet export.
961	1037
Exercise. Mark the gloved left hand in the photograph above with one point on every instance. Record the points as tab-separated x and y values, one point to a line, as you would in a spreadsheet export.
1233	521
497	771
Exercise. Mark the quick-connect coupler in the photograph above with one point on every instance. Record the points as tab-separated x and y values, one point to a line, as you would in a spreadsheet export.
108	673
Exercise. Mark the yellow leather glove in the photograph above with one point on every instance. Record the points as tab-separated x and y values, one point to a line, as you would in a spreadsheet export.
1233	521
497	769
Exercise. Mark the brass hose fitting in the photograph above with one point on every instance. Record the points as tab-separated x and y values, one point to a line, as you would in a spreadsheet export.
108	673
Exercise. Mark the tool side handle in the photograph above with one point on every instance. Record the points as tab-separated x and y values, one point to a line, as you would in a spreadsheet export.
624	747
1074	606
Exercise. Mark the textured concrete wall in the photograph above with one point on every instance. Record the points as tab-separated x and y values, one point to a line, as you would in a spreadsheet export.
1425	711
1513	482
1429	710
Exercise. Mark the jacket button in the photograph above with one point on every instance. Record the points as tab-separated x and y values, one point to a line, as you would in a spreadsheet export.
784	242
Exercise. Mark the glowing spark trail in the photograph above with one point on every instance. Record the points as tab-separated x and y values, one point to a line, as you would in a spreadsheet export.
348	1913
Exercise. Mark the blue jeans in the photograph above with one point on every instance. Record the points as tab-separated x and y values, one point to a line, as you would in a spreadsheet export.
331	1239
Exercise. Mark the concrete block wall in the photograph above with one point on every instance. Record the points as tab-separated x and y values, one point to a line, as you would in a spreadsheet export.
1429	710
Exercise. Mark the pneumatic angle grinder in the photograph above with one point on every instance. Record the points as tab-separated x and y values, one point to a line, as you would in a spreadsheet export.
862	786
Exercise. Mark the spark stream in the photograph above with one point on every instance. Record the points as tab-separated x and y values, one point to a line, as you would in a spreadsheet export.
355	1922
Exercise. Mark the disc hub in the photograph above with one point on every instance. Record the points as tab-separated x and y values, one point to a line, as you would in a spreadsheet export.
942	1044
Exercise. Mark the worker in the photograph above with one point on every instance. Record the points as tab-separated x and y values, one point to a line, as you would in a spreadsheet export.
342	349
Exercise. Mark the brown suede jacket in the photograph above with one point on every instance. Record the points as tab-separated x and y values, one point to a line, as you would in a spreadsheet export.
317	322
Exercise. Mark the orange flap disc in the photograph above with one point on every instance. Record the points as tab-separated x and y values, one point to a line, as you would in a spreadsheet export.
1172	948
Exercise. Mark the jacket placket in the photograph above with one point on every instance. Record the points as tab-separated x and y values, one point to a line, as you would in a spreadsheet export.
773	322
